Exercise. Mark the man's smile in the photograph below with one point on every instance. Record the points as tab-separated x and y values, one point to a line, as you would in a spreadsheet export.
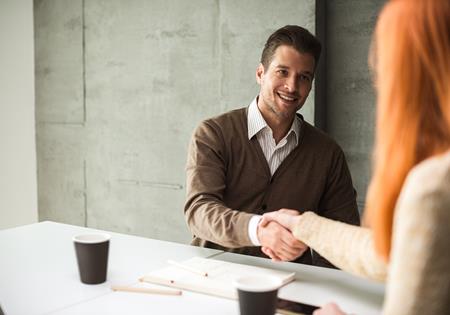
288	97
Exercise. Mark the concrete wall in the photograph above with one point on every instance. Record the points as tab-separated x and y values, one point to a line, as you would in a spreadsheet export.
350	94
120	86
18	191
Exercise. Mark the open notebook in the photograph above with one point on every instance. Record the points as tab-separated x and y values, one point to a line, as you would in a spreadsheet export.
219	281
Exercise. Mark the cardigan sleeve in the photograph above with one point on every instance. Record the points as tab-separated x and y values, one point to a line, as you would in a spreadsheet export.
206	214
346	246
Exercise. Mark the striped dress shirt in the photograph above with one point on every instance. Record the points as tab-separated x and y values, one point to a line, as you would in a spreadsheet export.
275	153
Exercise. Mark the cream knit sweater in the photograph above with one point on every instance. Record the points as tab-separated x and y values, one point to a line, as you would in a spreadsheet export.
418	276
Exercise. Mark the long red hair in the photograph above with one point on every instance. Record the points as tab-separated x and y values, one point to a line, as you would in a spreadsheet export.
412	66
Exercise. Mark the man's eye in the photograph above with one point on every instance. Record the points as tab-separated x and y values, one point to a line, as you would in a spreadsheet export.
305	78
282	72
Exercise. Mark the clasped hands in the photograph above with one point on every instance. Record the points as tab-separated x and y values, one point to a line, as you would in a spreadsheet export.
276	238
275	235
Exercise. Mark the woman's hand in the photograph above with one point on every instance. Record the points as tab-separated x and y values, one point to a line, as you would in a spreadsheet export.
287	218
329	309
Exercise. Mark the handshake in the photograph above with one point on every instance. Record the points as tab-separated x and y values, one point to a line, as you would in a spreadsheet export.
275	235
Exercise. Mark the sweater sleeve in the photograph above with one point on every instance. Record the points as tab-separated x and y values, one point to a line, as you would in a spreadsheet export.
419	274
348	247
206	214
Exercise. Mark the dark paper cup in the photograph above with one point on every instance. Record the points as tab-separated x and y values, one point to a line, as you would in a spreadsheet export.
92	256
257	294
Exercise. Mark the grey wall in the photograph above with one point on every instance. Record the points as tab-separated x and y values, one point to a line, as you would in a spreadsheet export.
349	92
120	86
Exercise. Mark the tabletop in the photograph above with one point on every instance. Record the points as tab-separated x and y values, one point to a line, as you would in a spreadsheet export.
39	275
318	285
38	270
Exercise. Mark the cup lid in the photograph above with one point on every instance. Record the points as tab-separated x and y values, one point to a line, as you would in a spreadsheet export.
91	238
258	283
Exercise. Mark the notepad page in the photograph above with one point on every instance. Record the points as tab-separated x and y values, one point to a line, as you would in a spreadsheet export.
219	281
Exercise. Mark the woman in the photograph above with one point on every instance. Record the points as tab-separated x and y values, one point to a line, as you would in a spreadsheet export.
408	202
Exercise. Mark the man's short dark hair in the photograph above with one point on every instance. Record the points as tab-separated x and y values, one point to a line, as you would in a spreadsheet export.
291	35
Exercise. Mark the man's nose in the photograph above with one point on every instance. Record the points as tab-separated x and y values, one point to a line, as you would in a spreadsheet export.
291	84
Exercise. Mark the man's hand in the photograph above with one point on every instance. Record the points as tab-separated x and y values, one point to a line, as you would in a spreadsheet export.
278	243
288	218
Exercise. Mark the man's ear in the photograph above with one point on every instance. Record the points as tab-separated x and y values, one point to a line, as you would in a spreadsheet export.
259	73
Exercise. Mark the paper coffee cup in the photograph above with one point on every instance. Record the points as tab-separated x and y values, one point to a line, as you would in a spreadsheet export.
92	256
257	294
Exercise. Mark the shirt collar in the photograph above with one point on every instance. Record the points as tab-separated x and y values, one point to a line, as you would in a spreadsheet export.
256	122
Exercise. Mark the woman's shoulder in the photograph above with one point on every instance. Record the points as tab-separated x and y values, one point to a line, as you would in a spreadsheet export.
428	186
432	173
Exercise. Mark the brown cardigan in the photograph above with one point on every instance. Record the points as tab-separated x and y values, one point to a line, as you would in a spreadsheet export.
228	181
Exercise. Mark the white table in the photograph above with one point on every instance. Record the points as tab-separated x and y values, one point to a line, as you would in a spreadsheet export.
38	275
318	286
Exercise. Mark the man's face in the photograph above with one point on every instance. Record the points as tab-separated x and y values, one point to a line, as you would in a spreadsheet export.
286	82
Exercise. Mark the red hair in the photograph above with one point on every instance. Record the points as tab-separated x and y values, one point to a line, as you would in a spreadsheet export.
412	52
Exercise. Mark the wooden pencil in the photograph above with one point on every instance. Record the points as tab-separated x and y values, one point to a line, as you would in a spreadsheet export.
146	290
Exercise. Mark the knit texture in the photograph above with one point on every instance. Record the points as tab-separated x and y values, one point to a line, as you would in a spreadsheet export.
418	280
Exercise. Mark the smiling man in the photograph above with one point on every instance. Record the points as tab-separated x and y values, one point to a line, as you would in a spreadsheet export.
265	157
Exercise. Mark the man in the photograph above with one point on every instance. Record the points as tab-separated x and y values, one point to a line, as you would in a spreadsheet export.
253	160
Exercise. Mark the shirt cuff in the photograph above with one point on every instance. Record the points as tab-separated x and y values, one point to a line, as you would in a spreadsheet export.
253	228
